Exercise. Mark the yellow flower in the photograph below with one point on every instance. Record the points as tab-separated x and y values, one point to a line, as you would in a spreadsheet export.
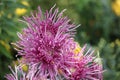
20	11
77	49
25	3
116	7
25	67
77	52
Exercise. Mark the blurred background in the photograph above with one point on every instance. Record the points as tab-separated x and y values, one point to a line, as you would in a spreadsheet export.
100	28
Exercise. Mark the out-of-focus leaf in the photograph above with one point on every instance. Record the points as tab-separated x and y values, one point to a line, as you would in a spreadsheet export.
4	51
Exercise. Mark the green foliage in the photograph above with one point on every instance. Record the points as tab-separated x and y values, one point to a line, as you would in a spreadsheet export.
9	25
100	27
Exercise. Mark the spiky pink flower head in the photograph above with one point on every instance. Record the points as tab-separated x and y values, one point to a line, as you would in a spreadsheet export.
16	74
86	66
46	41
48	48
19	74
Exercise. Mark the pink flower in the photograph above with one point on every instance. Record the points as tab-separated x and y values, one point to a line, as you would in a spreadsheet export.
46	41
86	68
19	74
47	46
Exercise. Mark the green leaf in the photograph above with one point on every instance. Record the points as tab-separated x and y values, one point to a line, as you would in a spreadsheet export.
5	52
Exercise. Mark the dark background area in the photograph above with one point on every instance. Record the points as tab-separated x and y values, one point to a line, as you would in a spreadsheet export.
100	28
